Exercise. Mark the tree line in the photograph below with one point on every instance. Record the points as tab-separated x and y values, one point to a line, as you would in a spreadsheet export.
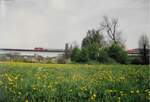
106	45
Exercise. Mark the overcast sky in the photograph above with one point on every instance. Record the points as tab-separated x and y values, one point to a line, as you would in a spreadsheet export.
52	23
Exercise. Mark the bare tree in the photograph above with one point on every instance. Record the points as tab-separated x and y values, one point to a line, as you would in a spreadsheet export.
110	27
144	48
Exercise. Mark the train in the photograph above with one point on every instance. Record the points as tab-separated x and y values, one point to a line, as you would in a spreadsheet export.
39	49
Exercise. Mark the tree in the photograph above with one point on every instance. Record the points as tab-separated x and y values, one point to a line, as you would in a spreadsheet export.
84	57
75	56
93	36
110	27
144	48
103	56
117	53
92	43
93	51
116	50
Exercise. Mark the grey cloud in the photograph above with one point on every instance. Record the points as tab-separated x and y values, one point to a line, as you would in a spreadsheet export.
52	23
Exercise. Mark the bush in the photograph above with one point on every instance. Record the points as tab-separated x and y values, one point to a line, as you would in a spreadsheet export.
111	61
103	56
93	51
75	56
136	61
84	57
92	62
117	53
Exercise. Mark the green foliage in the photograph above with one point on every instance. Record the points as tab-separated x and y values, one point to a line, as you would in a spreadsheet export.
80	56
24	82
92	43
92	37
103	56
93	62
75	56
84	57
93	51
117	53
94	48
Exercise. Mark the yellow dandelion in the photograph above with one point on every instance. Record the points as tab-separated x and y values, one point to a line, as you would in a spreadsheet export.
146	90
119	99
93	96
26	100
19	93
137	91
49	86
16	78
131	92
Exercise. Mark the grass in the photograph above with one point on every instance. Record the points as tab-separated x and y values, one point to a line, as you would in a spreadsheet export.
26	82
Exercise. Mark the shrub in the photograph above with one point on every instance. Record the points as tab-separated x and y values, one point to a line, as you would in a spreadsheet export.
136	61
117	53
75	56
103	56
92	62
93	51
84	57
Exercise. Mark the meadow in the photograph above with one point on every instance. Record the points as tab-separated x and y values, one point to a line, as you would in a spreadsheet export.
27	82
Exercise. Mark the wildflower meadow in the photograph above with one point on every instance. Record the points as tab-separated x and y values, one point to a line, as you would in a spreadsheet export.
27	82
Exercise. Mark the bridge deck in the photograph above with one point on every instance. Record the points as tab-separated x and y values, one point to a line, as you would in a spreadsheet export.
32	50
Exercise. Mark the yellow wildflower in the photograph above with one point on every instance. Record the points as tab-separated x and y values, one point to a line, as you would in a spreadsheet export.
132	92
137	91
146	90
26	100
93	96
19	93
119	99
49	86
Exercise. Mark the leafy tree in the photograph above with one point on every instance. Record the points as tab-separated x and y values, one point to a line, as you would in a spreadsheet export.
144	48
79	55
92	43
75	56
84	57
93	51
103	56
117	53
93	36
94	46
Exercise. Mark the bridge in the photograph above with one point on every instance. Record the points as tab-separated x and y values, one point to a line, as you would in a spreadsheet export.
33	50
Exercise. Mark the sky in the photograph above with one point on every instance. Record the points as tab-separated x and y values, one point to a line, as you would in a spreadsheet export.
52	23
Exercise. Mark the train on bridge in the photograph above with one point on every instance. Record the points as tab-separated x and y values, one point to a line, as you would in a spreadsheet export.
37	49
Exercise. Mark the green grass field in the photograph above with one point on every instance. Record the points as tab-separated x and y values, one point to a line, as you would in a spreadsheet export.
22	82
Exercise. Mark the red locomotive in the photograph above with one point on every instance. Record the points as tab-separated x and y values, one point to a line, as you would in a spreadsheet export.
38	49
